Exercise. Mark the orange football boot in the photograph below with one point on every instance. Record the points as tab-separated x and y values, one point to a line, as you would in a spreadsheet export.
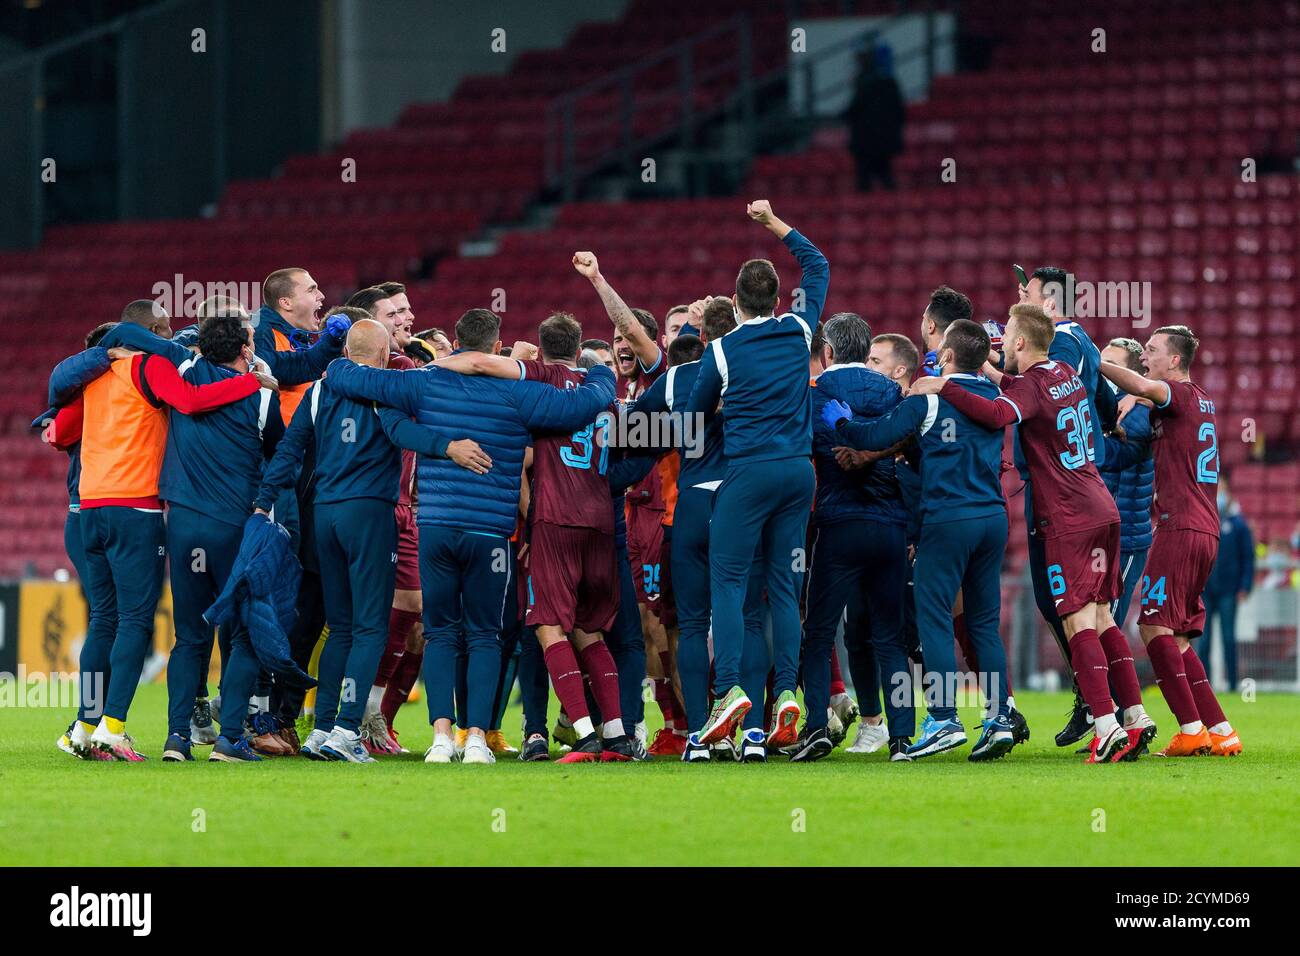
1188	745
1225	745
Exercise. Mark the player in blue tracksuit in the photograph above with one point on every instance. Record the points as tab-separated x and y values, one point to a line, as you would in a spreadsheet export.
466	519
1047	288
358	467
760	372
860	547
210	472
702	468
963	537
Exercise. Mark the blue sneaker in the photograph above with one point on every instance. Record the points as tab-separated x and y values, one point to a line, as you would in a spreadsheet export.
177	749
937	736
346	745
753	746
996	741
238	752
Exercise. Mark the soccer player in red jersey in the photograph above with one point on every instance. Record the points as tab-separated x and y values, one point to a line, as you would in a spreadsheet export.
1186	538
1075	515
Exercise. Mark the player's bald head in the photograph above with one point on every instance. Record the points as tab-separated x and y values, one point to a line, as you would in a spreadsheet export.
368	343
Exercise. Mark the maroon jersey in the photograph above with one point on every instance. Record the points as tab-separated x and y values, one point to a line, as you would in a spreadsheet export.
1186	447
648	492
569	483
406	493
1056	429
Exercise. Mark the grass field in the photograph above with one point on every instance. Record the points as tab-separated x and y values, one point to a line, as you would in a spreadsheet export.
1039	806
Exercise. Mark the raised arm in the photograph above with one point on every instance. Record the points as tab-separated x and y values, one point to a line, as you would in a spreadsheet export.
305	365
816	270
1135	384
481	363
545	407
387	386
644	348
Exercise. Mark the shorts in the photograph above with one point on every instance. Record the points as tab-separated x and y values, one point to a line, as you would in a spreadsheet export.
572	578
408	549
645	544
1083	568
1178	565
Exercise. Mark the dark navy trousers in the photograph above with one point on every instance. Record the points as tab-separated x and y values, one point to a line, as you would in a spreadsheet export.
466	579
850	558
1131	564
201	552
965	555
627	645
125	554
760	507
357	544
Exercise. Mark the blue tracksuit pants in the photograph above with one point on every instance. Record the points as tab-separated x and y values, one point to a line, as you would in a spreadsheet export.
125	555
858	557
357	544
760	507
466	580
965	555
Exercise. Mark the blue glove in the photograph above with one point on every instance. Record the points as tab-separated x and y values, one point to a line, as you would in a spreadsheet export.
337	327
834	412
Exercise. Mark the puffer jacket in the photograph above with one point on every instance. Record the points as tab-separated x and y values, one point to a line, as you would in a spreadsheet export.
500	415
1129	470
870	492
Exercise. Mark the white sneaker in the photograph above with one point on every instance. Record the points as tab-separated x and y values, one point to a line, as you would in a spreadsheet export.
477	751
345	745
442	751
642	734
310	747
109	746
870	738
845	709
835	727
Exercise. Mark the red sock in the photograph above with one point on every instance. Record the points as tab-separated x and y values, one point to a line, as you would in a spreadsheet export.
1090	671
1171	678
599	666
675	716
399	686
963	641
1123	672
837	679
566	678
399	625
1207	704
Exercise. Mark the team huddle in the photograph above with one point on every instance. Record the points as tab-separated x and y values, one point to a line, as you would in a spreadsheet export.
345	506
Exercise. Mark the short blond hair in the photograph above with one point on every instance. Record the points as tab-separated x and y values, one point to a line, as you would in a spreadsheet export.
1034	324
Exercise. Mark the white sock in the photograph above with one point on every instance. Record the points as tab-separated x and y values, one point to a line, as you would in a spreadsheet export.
263	704
375	699
612	728
1195	727
1104	725
1133	714
583	727
1222	729
1011	703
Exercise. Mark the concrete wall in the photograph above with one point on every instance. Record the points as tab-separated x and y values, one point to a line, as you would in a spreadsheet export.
392	52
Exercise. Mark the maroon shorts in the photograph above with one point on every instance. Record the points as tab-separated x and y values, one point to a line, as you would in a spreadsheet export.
645	545
408	549
572	578
1083	568
1178	565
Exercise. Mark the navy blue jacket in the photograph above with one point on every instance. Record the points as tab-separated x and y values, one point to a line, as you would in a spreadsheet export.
707	462
132	336
961	462
760	370
213	462
871	492
261	593
1129	470
302	363
357	448
1234	567
499	414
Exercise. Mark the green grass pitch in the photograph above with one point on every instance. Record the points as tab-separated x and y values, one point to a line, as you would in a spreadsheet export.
1039	806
